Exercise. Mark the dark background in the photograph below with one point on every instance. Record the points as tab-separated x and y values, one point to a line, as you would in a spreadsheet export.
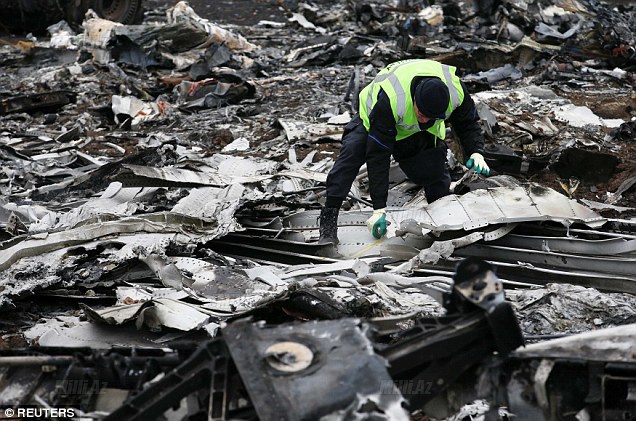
238	12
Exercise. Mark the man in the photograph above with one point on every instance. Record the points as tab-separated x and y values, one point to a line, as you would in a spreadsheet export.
402	113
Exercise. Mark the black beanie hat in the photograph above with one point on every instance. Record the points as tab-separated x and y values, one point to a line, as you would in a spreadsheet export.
431	97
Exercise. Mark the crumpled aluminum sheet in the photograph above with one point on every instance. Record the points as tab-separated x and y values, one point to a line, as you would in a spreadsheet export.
359	266
36	272
154	314
67	331
115	200
183	13
46	242
223	292
34	216
128	295
38	262
203	272
565	308
235	167
210	203
138	175
438	250
230	292
312	132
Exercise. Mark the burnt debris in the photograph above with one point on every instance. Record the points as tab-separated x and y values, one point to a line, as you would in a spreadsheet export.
163	171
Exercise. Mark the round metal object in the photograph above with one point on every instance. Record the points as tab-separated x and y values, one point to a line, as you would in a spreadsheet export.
123	11
289	357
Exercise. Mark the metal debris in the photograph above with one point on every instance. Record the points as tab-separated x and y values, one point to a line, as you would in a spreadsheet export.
161	184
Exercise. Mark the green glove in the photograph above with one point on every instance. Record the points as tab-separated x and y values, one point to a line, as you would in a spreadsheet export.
377	223
478	162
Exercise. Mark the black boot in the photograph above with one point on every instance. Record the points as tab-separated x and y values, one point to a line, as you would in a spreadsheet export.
328	226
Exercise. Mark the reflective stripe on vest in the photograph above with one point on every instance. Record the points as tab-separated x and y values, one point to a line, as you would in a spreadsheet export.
401	95
399	91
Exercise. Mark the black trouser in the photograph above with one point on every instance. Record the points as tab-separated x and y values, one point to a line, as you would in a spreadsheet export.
423	162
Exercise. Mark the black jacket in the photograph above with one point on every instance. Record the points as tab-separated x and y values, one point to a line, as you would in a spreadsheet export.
382	132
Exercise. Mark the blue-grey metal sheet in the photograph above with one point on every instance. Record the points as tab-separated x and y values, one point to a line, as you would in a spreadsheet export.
501	205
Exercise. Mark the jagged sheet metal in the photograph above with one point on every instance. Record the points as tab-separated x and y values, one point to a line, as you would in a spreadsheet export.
154	314
204	273
226	292
209	203
137	175
233	305
35	272
615	344
300	130
596	247
115	200
433	286
42	269
502	205
39	258
181	13
438	250
70	332
236	167
46	242
128	295
614	265
234	291
360	266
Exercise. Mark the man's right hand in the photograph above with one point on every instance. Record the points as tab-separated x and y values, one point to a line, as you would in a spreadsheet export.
377	223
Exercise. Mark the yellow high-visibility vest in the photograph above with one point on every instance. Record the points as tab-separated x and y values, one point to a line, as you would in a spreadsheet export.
395	80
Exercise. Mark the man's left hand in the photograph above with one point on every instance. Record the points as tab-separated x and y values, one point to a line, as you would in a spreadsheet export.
478	163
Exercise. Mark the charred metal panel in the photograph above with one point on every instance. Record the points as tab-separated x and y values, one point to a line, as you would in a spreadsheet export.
47	101
331	361
590	166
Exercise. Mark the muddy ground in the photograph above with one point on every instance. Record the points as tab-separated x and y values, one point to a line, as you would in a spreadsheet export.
241	12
